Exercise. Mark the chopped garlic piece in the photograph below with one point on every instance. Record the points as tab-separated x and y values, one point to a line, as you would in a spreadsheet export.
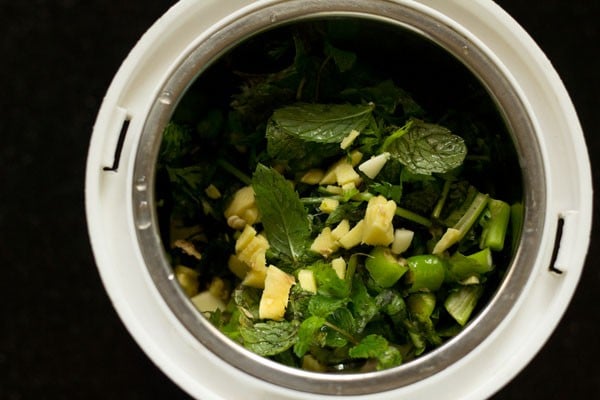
188	248
348	140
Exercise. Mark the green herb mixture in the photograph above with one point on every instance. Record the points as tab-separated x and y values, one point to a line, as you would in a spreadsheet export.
318	215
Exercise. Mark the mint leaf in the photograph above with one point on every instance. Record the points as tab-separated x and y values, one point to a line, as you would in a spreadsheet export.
343	59
329	283
428	148
283	216
387	96
341	326
364	306
269	338
322	306
310	334
377	347
247	300
175	143
321	123
285	147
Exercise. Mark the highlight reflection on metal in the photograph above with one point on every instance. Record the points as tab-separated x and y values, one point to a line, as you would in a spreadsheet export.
263	17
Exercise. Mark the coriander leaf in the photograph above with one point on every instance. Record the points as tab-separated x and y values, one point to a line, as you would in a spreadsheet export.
283	216
428	148
321	123
310	334
376	346
269	338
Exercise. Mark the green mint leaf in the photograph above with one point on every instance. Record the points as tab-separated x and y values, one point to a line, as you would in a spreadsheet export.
343	59
364	306
247	300
329	283
387	96
387	190
269	338
285	147
283	216
322	306
187	189
352	211
377	347
428	148
340	327
175	143
298	303
321	123
310	333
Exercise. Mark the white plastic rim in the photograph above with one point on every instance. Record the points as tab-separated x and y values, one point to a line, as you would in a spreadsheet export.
202	374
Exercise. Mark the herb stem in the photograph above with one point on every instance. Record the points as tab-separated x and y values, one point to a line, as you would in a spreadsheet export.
437	211
457	233
495	231
412	216
234	171
395	135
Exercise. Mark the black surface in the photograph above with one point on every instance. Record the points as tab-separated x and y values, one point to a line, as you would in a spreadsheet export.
59	336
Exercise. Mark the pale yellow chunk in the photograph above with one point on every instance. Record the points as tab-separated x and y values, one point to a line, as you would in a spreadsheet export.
307	281
245	238
188	248
379	230
208	302
353	237
325	244
242	201
188	279
450	238
256	278
212	192
345	173
355	157
341	229
348	140
254	253
339	266
329	205
343	170
217	288
402	240
312	177
237	266
334	189
373	166
274	299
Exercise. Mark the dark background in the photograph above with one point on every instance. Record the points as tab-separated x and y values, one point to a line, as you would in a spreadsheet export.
59	335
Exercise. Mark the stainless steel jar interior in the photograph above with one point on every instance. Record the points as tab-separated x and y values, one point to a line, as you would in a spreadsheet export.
265	17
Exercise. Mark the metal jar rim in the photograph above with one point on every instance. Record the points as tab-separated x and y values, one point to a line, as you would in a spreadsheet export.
510	106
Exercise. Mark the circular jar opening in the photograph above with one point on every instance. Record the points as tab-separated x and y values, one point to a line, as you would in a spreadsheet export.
405	68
